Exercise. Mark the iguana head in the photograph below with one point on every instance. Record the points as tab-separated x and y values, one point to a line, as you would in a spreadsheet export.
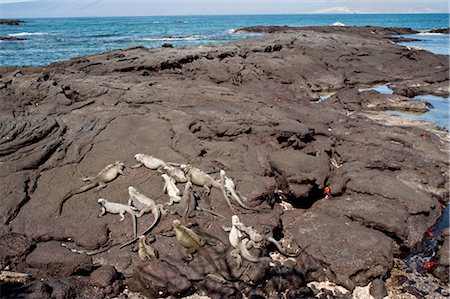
139	157
176	223
185	167
235	219
119	164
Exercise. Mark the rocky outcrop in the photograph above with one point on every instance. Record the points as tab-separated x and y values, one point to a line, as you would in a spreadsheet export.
338	180
10	22
440	30
11	38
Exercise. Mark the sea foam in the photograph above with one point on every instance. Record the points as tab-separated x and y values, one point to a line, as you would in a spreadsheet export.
338	24
27	33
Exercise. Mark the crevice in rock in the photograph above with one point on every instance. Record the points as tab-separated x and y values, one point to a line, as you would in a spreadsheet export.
29	186
398	240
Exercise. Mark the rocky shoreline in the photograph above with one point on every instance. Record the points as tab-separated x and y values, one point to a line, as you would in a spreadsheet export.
346	185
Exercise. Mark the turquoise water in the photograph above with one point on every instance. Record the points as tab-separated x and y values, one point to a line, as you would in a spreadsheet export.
56	39
433	42
438	115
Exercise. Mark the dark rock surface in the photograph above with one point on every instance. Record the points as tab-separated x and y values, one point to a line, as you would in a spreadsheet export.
158	278
378	289
443	259
10	22
11	38
364	184
440	30
352	99
58	261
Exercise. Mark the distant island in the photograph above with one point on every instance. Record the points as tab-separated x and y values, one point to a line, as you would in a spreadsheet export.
10	22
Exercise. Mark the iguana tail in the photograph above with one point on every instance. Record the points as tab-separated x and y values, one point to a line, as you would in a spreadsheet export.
281	250
73	192
221	187
155	221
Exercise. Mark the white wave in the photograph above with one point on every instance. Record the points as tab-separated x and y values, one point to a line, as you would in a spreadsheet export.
232	30
26	33
174	38
430	33
338	24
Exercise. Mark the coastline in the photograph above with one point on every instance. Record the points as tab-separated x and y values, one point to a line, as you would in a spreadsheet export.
247	107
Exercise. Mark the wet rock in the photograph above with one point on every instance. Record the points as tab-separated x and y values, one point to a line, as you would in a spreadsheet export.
376	101
158	278
378	289
57	260
166	45
353	100
440	30
443	259
10	22
11	38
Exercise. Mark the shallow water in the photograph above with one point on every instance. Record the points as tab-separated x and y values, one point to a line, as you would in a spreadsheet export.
380	88
439	115
434	42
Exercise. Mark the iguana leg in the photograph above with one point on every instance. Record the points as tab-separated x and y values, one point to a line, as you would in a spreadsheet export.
237	254
100	186
102	212
122	216
207	189
161	209
87	178
226	228
143	211
137	165
189	256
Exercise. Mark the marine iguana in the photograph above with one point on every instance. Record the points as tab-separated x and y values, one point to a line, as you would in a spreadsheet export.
175	173
144	204
145	251
257	238
171	189
192	242
200	178
148	161
230	188
118	208
241	244
188	204
108	174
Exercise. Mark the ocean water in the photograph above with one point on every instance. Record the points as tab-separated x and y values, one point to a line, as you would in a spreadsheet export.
56	39
438	115
433	42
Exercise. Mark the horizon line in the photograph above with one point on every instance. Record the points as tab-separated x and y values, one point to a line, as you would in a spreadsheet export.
206	15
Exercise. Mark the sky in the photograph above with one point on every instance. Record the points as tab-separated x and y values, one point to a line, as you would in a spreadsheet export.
87	8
